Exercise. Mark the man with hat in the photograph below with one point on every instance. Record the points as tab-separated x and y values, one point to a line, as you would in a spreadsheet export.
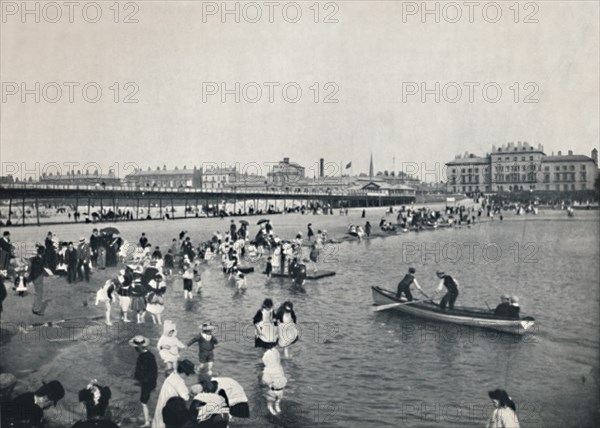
206	345
36	276
146	372
503	309
83	260
514	308
407	281
451	290
6	250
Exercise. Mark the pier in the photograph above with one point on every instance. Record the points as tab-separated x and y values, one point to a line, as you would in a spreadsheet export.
30	198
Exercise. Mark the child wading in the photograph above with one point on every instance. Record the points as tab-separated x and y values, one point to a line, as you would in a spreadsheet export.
169	345
206	345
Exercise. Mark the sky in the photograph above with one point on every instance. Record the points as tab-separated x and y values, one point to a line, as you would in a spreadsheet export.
371	66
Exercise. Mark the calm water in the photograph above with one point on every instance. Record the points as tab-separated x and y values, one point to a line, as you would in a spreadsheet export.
353	367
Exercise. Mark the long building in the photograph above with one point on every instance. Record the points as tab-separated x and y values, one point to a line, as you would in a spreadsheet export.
520	167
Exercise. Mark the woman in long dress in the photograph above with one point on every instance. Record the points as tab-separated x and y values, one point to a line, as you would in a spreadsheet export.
173	386
287	332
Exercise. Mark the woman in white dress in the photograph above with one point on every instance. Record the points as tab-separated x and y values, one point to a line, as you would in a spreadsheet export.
173	386
287	332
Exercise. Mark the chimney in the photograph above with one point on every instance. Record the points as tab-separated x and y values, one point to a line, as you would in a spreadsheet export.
570	152
286	160
559	153
595	156
321	167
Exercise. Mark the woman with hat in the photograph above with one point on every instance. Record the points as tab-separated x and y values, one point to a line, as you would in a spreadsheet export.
27	410
123	284
146	372
138	299
285	319
173	386
156	302
504	414
206	346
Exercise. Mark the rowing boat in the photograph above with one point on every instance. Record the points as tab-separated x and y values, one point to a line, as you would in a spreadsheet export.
471	317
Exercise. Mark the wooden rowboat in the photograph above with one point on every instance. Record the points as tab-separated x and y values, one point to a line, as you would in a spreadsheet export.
471	317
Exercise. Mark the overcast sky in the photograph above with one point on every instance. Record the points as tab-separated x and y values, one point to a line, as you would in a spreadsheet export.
368	56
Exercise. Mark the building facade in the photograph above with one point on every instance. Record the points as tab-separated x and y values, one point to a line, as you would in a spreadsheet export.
217	178
285	172
521	167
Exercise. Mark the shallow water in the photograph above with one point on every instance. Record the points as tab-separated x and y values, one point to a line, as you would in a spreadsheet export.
355	368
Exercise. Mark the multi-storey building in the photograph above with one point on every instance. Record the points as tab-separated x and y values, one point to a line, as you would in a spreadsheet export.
520	167
218	177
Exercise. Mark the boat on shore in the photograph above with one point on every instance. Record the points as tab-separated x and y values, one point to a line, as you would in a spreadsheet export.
470	317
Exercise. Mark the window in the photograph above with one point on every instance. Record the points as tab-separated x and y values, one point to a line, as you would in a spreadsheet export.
557	168
546	168
522	158
558	187
564	167
572	167
583	186
547	187
572	187
515	158
506	158
583	167
530	158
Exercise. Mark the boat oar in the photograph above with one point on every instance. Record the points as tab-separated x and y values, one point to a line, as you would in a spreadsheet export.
393	305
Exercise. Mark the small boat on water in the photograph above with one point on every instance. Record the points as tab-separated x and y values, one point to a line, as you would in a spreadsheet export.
471	317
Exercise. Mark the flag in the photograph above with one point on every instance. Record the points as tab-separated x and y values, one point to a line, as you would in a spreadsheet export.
348	165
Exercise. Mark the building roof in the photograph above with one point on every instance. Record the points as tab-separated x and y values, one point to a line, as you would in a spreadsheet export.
567	158
468	161
162	172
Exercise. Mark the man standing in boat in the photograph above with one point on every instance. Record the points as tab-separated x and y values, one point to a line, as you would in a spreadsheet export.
451	290
407	281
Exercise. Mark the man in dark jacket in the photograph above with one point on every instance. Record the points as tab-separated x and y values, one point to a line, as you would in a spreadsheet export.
83	260
95	241
36	276
146	372
6	250
71	261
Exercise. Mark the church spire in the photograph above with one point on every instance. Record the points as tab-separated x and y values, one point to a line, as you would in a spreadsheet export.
371	167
